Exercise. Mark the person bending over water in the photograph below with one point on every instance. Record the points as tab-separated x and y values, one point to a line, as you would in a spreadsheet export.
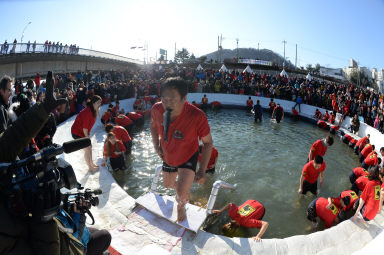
176	128
249	214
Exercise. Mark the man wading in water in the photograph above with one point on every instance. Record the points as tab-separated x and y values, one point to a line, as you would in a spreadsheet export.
176	128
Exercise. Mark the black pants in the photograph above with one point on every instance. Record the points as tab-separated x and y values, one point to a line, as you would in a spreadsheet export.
117	163
352	177
128	147
258	117
99	241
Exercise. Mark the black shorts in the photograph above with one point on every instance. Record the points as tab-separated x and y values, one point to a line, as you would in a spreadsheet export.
311	211
190	164
128	147
311	187
76	136
211	171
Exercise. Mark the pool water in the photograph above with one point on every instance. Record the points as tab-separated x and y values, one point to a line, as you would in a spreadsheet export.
264	160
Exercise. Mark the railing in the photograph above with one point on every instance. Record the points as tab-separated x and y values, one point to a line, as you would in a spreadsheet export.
38	48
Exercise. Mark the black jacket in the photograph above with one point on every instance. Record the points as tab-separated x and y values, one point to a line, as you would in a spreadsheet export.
4	118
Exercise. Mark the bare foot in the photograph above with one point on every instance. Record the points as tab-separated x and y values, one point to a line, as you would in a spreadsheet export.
181	216
93	169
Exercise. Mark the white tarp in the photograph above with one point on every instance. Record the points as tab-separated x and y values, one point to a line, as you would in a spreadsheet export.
223	68
284	73
309	77
199	67
248	69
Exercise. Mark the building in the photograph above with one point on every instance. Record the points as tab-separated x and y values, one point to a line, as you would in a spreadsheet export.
378	78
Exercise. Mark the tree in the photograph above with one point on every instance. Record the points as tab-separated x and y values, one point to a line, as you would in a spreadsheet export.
317	68
192	56
309	68
181	55
161	58
360	78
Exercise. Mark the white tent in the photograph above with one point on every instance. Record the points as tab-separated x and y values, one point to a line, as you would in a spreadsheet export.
284	73
199	67
248	69
160	67
309	77
223	68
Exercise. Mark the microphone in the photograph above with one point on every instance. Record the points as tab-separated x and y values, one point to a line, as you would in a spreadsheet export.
97	191
76	145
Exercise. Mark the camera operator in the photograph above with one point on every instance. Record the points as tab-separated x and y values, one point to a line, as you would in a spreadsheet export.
95	241
5	94
26	235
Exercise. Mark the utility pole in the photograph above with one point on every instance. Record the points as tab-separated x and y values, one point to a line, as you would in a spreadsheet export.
284	52
296	57
218	49
221	47
175	53
237	48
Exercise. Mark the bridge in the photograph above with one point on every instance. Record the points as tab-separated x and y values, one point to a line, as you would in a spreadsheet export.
22	60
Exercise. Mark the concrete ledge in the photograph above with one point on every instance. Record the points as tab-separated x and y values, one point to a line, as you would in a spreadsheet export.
133	234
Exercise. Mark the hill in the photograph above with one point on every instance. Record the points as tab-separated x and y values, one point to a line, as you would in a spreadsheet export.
251	53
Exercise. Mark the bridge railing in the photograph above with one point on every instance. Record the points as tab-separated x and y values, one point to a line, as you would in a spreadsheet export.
38	48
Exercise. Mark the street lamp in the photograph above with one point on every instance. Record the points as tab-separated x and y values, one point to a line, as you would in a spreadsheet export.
22	35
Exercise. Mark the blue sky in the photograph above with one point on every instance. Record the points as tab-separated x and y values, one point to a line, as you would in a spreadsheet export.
326	32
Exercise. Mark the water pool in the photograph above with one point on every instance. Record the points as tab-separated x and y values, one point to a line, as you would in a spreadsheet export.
264	160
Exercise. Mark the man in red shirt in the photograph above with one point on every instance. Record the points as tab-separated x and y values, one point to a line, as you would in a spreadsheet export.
371	160
212	160
249	104
310	174
176	128
328	212
121	134
320	147
124	121
295	114
368	148
356	173
361	143
272	106
249	214
326	116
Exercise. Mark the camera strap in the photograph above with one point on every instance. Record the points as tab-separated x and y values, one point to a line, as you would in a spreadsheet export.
91	216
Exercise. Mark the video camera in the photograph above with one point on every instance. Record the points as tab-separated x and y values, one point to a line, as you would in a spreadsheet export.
32	185
83	200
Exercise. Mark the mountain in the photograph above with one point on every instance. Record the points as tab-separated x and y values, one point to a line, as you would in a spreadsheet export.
251	53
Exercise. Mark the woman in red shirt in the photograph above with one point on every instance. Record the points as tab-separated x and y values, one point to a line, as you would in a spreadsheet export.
114	150
82	128
249	214
370	198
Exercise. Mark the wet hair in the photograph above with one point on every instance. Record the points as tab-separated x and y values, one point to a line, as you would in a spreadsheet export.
329	140
318	159
346	200
176	83
90	103
378	160
382	149
258	101
373	147
110	106
229	228
367	140
374	173
108	127
4	82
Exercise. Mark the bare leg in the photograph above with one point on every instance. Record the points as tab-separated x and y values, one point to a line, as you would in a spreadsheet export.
183	186
169	179
88	159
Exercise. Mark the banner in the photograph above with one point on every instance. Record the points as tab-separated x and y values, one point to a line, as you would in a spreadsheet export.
255	62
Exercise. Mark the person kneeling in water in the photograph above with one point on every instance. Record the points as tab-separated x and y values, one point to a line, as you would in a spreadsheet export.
114	150
278	113
249	214
326	210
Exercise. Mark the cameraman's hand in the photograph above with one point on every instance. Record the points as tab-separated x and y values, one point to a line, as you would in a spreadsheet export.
75	209
50	102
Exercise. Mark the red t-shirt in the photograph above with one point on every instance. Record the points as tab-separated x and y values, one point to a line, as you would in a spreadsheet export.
295	113
321	124
123	120
212	159
367	149
327	215
120	147
115	109
272	105
359	171
361	141
121	134
311	174
353	196
248	214
107	116
84	120
326	117
183	134
134	116
204	100
318	148
333	117
371	197
216	103
361	182
371	159
249	102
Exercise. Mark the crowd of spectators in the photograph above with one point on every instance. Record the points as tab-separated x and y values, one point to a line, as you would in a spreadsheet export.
47	47
346	99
